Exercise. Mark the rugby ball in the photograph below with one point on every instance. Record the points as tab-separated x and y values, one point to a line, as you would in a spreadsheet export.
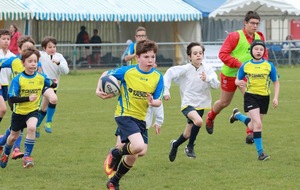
110	85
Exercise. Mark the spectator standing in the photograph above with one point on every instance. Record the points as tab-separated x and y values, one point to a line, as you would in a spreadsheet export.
83	38
96	50
14	36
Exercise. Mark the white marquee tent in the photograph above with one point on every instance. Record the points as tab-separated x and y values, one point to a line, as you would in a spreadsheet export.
267	9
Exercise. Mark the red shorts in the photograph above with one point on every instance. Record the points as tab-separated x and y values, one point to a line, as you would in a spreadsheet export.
228	83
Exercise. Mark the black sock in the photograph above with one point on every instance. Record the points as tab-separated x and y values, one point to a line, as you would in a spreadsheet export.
179	141
194	132
122	170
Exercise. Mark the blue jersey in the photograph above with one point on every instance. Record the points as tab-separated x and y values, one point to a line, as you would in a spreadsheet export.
24	85
15	64
259	75
135	84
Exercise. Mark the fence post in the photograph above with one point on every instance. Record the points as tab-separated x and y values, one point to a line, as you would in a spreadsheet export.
74	57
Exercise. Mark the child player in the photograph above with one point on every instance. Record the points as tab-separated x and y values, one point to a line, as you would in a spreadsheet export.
141	86
259	74
195	81
25	93
54	64
5	72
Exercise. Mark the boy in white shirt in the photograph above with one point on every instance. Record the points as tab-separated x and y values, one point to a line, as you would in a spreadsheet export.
54	64
195	81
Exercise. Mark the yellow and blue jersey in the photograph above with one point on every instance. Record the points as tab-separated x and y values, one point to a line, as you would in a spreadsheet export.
24	85
135	84
259	75
131	51
15	64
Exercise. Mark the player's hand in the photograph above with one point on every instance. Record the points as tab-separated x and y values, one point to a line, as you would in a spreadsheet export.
275	102
157	128
103	95
203	76
167	97
32	97
150	98
241	83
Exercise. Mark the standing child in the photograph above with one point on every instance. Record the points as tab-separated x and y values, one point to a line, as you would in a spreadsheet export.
195	81
141	86
25	92
5	53
140	34
259	74
54	64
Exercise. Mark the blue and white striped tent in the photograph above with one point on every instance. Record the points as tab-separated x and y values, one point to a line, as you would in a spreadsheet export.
112	10
11	10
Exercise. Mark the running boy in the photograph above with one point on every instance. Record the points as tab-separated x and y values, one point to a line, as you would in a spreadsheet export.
195	81
259	74
54	64
141	86
25	92
16	67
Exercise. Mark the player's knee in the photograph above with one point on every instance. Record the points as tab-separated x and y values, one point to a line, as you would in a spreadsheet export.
198	123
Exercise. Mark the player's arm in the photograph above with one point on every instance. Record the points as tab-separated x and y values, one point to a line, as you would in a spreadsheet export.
99	92
240	76
62	64
159	117
130	54
228	46
172	74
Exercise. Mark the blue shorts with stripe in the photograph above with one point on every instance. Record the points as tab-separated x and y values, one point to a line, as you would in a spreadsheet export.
128	125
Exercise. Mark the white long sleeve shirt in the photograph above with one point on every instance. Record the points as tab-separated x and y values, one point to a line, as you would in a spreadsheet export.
157	113
52	70
5	74
193	91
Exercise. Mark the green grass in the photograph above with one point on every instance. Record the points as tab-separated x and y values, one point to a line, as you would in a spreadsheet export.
71	158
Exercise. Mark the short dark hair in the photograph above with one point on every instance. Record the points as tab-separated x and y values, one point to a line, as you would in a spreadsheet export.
28	52
48	39
191	45
251	15
145	46
24	39
4	32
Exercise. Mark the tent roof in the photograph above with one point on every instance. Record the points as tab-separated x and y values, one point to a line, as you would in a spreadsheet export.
112	10
205	6
13	11
267	9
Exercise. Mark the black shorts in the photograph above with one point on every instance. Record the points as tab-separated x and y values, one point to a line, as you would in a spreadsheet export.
253	101
4	92
18	121
188	109
128	125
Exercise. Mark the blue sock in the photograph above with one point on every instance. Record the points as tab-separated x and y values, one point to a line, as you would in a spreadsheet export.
7	149
4	138
243	118
50	112
28	144
258	142
42	115
18	141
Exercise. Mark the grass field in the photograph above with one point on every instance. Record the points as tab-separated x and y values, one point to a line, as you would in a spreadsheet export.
71	158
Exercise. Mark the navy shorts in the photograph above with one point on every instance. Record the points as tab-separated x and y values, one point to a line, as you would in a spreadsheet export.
18	121
188	109
128	125
253	101
4	92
